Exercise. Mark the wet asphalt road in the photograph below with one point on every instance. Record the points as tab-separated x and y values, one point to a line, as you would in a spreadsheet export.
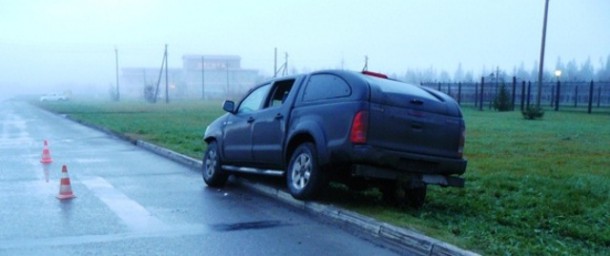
132	202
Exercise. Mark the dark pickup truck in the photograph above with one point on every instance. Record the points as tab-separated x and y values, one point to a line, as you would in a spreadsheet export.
358	128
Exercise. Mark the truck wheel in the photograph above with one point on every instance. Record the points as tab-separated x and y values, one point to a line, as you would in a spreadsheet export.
213	175
304	178
416	196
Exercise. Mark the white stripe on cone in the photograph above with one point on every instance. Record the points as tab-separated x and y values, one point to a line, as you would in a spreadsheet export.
65	190
46	154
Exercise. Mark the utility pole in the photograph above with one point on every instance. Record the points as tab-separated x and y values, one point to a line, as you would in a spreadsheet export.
166	78
202	78
227	66
285	64
540	69
116	57
275	62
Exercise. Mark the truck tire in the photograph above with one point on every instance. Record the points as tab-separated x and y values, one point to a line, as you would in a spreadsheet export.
416	196
305	179
389	191
413	197
211	170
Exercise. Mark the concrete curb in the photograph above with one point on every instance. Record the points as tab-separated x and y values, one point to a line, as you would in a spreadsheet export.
410	241
175	156
404	239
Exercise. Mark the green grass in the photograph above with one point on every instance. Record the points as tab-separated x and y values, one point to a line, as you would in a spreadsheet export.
532	187
178	126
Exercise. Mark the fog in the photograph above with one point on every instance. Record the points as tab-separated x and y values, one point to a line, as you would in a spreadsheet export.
69	45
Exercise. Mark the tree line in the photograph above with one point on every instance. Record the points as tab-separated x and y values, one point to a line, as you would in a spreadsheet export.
570	72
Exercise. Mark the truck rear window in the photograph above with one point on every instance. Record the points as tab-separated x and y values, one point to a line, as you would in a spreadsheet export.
396	87
326	86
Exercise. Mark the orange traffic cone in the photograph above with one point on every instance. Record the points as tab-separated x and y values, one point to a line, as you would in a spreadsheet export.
46	155
65	190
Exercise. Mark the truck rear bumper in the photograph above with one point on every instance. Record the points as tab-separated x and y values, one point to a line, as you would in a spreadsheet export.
415	180
407	163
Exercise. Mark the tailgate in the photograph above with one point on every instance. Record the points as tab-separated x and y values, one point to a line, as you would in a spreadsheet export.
409	118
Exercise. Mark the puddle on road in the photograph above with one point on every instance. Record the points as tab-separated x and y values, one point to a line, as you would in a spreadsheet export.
249	225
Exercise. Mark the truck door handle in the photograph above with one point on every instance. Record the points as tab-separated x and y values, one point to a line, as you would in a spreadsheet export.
416	102
251	119
279	116
417	127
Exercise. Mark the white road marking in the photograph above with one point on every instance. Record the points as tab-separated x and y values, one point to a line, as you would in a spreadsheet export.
135	216
14	133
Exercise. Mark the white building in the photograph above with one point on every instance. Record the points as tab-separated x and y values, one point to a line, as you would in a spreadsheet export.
201	76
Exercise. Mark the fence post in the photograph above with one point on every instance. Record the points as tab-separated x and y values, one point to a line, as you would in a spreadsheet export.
590	97
514	92
481	94
522	95
557	97
608	93
439	86
576	96
459	96
476	95
599	96
552	98
493	96
529	92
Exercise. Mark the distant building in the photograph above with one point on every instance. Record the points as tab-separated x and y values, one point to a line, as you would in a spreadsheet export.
201	76
220	75
134	81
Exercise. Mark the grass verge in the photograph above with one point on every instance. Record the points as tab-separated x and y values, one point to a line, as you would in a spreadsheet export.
533	187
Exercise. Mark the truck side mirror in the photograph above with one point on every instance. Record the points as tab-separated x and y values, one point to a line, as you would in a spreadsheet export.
228	106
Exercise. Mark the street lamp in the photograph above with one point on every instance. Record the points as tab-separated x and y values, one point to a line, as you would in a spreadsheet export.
557	74
558	89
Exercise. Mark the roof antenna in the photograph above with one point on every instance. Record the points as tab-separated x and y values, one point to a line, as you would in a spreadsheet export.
366	63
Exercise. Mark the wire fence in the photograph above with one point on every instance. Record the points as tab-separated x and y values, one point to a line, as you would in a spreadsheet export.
559	96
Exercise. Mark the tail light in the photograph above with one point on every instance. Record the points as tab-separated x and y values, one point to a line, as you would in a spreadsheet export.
359	127
462	141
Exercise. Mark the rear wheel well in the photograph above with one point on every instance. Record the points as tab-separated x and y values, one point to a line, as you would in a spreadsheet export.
294	143
209	140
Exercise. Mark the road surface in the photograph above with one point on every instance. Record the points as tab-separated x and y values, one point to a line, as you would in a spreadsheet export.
132	202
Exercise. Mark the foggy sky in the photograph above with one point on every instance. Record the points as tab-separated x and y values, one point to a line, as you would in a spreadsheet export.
70	43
